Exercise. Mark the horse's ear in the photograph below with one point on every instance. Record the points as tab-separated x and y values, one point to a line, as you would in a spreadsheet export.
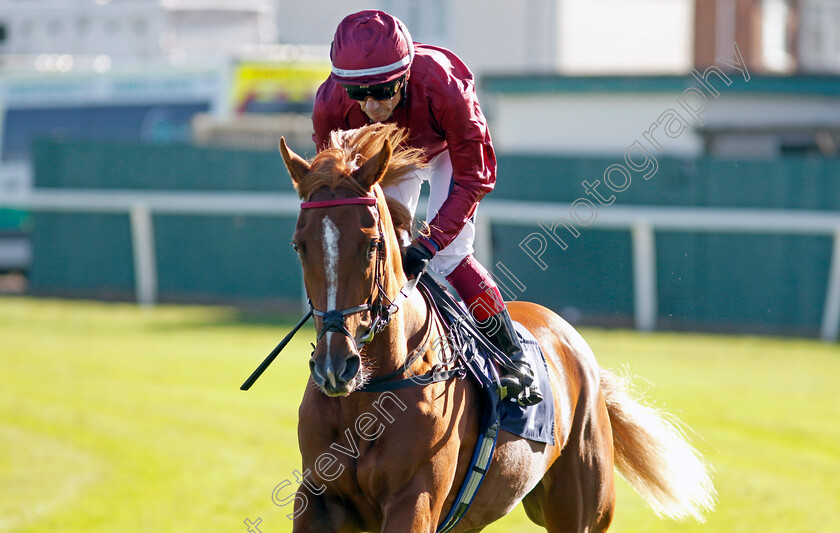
294	163
374	168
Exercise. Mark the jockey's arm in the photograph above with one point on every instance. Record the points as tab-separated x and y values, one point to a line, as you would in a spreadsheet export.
473	163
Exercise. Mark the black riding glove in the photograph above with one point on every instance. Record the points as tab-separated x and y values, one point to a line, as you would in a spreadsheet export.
416	259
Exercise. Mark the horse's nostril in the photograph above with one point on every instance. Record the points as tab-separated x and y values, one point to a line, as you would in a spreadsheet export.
351	368
317	377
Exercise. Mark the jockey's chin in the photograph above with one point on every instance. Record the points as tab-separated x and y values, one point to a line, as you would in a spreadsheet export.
378	117
380	114
380	110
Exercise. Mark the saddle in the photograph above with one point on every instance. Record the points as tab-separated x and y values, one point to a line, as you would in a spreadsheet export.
481	360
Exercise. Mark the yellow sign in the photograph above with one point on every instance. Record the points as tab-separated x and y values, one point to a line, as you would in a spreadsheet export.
265	87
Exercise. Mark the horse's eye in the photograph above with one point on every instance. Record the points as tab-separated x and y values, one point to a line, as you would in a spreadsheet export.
373	247
295	247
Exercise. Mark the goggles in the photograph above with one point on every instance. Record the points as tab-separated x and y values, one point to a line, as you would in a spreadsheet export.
381	91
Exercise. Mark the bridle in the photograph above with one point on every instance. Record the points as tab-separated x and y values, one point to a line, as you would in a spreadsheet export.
380	306
333	319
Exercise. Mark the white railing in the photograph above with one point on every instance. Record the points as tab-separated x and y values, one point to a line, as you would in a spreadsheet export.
642	222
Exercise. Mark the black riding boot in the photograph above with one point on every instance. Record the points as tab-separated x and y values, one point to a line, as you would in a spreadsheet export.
521	383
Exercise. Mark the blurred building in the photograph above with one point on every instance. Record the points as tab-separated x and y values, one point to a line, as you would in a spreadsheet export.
599	36
122	70
797	39
784	36
131	69
583	76
528	36
133	29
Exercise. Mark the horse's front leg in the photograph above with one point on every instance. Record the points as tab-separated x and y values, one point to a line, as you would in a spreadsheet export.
412	513
320	514
416	510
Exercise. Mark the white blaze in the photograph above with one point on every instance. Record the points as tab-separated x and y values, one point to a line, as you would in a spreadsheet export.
331	260
331	264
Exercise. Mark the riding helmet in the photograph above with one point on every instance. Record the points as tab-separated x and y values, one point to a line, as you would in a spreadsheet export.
369	48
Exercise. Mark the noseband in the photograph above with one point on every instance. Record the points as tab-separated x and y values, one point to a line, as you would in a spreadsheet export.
334	319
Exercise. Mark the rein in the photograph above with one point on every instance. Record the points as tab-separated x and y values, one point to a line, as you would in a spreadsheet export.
388	381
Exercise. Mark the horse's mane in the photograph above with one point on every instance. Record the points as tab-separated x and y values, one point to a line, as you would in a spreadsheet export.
346	150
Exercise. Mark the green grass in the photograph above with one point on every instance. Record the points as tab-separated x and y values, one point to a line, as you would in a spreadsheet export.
119	419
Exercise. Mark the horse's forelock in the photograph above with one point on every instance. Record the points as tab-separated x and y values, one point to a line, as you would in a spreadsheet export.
354	147
330	168
346	150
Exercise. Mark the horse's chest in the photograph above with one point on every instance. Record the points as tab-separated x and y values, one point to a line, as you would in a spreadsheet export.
364	458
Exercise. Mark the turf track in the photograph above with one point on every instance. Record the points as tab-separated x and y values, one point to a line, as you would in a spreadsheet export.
119	419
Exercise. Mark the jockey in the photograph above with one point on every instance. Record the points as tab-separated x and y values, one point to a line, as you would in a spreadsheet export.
380	75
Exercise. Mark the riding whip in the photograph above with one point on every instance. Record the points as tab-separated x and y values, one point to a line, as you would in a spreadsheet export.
260	369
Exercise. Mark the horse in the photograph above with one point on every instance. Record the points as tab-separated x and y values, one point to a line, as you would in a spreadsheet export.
394	461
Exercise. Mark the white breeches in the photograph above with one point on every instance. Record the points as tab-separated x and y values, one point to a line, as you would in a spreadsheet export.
439	176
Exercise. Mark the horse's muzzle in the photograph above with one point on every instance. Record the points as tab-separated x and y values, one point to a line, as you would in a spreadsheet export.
336	376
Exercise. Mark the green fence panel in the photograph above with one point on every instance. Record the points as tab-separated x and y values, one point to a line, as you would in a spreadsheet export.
731	282
760	283
13	220
81	255
203	258
227	258
101	165
589	282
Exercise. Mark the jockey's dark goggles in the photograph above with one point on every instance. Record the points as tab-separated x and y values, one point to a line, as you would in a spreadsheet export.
382	91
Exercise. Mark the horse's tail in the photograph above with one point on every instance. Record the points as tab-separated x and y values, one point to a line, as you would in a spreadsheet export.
652	453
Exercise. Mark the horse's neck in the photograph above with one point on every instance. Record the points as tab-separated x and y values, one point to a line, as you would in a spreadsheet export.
408	330
409	325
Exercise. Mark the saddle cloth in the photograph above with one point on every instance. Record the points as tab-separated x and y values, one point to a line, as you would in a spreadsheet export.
535	422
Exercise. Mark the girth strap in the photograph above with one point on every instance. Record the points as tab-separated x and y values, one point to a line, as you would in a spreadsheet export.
462	326
479	465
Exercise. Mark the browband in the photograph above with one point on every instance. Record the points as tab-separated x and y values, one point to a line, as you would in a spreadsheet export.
363	200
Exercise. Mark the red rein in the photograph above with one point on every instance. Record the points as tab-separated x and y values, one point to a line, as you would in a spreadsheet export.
364	200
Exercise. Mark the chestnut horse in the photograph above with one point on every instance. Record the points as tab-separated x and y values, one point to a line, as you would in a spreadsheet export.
394	461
